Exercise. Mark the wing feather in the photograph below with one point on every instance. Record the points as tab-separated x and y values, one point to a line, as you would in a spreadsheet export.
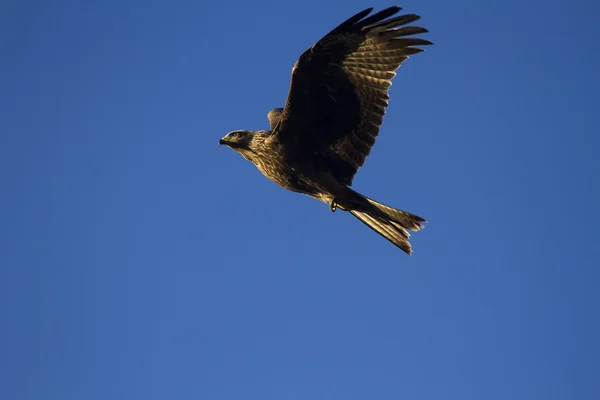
274	115
339	89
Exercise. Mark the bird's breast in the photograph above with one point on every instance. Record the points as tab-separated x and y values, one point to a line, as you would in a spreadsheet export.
286	171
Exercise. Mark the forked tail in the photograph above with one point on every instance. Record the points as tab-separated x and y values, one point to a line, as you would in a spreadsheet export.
391	223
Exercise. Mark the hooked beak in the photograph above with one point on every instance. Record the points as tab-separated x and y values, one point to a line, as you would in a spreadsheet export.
233	145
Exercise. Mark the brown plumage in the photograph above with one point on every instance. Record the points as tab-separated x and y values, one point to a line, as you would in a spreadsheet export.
335	106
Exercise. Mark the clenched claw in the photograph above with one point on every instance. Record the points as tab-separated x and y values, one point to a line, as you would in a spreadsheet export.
332	205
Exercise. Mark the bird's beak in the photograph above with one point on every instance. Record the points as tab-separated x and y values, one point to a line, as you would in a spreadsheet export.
231	143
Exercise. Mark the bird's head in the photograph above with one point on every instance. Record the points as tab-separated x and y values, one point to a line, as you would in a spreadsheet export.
246	143
238	140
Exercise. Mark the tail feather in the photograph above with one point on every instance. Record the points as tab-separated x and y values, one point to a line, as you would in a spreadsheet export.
391	223
406	219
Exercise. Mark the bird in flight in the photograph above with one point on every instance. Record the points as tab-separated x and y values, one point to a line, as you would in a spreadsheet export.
336	102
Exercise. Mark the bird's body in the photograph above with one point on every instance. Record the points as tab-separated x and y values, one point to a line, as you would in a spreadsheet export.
292	171
335	107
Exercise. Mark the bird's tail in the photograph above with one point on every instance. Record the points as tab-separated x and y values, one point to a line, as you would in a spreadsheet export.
391	223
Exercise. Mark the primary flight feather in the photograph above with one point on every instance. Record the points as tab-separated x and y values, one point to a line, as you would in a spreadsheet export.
337	99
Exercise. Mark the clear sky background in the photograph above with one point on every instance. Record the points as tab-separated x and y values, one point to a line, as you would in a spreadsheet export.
141	261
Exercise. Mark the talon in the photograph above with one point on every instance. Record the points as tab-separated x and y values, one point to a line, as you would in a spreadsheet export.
332	206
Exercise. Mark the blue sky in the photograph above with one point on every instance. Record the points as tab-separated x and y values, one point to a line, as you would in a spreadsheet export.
140	260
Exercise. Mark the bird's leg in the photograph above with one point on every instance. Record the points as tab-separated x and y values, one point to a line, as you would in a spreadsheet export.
334	206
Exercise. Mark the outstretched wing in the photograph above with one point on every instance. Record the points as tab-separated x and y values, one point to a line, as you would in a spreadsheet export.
339	88
274	115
